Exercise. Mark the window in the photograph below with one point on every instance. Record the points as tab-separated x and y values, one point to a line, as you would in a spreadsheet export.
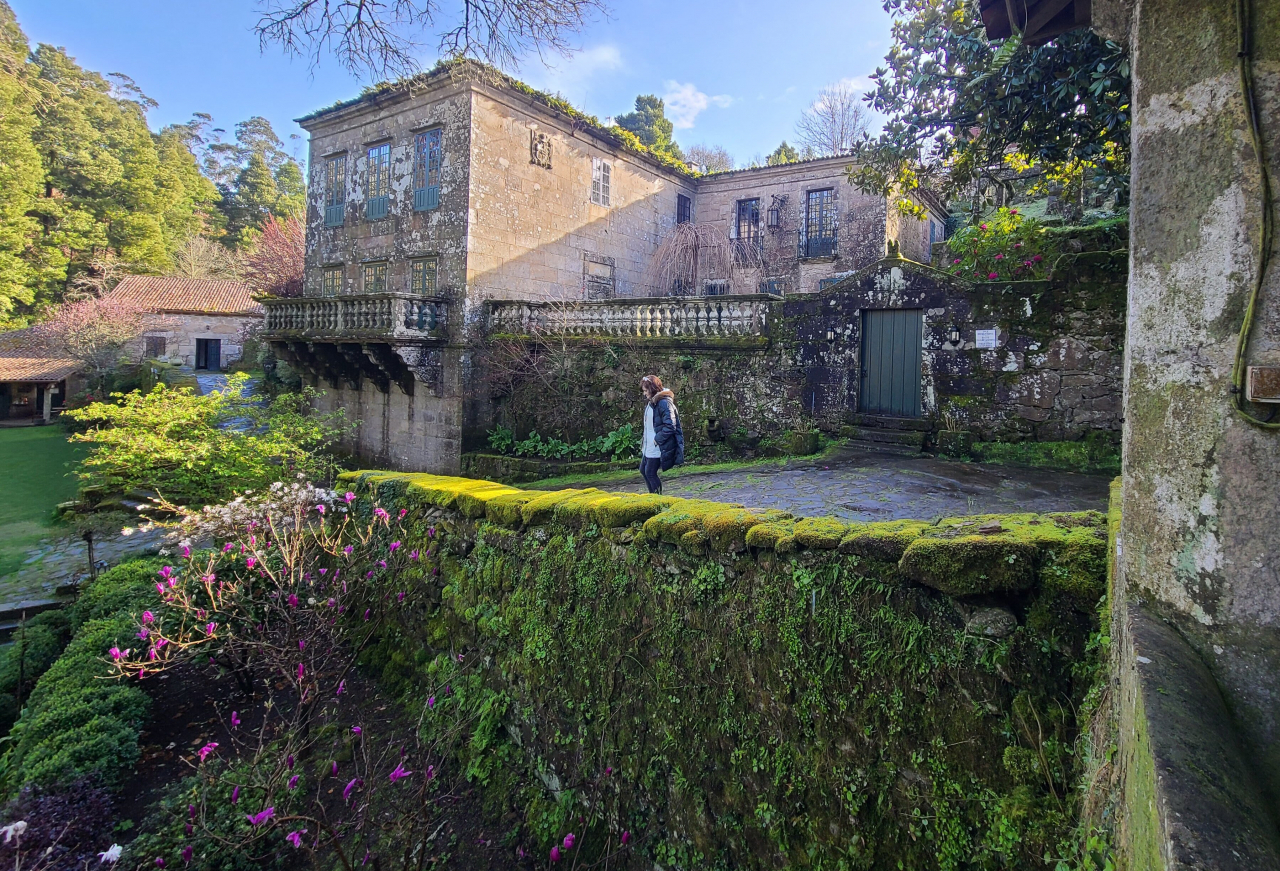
819	225
335	190
377	184
422	276
155	346
375	278
331	281
684	209
601	181
775	286
747	231
598	276
715	287
426	170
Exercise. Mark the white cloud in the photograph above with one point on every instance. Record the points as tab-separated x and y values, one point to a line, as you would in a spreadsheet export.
573	76
685	103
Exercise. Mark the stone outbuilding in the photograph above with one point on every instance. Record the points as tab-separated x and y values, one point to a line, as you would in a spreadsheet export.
35	381
199	322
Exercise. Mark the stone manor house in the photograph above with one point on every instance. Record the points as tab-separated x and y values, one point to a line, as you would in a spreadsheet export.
463	200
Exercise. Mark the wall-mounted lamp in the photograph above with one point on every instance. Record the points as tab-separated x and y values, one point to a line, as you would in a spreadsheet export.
774	217
831	335
953	336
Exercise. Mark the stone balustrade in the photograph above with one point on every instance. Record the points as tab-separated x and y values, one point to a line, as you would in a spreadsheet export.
717	317
387	316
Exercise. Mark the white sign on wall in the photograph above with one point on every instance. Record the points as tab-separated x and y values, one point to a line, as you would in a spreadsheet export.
985	338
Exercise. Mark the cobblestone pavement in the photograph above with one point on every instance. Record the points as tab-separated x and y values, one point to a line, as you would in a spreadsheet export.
60	561
872	484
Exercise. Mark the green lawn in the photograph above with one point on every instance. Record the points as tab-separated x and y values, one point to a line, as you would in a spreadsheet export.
35	465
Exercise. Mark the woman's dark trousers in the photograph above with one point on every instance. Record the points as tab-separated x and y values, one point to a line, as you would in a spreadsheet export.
649	468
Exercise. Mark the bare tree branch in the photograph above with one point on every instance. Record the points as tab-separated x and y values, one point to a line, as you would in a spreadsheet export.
716	158
386	37
834	123
692	250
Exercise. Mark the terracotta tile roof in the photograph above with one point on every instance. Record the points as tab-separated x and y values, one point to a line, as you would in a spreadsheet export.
204	296
24	357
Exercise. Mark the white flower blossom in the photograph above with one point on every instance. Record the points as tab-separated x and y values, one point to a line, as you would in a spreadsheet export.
14	829
111	855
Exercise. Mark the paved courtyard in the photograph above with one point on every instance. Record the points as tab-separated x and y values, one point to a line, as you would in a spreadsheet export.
871	484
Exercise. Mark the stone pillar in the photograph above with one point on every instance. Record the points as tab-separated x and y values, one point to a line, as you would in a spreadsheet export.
1199	547
48	402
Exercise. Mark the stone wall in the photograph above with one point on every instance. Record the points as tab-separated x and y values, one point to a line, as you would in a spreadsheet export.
180	333
1055	373
742	689
535	232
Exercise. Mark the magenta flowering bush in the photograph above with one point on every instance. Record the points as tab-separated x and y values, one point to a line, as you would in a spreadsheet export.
1005	247
279	605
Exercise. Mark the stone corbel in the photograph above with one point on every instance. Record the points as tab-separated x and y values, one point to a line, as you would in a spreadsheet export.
425	364
355	355
386	359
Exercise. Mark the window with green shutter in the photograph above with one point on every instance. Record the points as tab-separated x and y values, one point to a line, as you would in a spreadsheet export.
422	276
335	190
375	277
426	170
377	184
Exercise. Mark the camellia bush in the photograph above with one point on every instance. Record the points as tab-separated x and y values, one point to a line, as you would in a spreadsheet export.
203	449
1004	247
310	763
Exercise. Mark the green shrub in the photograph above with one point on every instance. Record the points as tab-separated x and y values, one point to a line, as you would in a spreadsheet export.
36	645
79	721
195	449
1004	247
621	444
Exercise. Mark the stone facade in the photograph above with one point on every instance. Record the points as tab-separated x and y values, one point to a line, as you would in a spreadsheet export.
180	332
528	201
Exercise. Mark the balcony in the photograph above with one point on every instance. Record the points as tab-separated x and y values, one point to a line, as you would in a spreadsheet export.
818	245
384	316
680	320
382	338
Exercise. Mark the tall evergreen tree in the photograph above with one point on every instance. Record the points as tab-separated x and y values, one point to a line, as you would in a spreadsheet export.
257	179
651	126
20	169
784	153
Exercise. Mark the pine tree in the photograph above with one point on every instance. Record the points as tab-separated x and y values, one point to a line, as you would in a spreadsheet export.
20	169
784	153
651	126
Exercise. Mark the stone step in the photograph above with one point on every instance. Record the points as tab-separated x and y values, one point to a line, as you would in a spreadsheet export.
900	438
879	421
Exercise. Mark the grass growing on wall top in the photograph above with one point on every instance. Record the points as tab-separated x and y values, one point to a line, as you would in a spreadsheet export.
736	688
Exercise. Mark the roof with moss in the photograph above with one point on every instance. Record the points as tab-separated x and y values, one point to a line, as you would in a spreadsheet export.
479	73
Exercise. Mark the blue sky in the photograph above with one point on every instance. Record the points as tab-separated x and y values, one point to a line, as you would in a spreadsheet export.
736	74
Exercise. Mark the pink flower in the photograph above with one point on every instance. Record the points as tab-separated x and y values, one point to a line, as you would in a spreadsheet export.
143	633
322	571
207	749
355	730
399	773
431	532
1037	258
608	771
153	654
626	836
431	772
165	572
293	782
400	596
159	862
957	260
349	497
403	512
993	275
250	562
555	854
301	671
235	794
335	766
186	854
235	720
381	513
983	226
320	509
342	685
295	838
346	792
395	546
186	551
228	547
288	761
999	256
568	841
148	617
367	611
1017	244
117	654
261	817
208	630
1013	211
302	645
160	589
292	600
347	550
431	702
413	554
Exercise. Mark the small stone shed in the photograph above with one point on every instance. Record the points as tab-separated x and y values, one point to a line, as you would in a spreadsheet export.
34	380
199	322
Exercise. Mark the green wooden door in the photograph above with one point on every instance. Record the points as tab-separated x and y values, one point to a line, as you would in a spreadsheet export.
890	374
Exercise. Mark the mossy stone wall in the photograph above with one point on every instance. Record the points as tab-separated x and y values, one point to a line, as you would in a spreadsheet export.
737	688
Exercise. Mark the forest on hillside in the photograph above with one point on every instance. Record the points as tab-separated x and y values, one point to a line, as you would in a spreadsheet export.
89	192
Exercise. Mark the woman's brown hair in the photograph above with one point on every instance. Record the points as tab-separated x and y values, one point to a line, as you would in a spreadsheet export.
651	382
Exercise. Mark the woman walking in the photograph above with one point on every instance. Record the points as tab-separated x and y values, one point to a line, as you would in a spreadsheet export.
663	444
